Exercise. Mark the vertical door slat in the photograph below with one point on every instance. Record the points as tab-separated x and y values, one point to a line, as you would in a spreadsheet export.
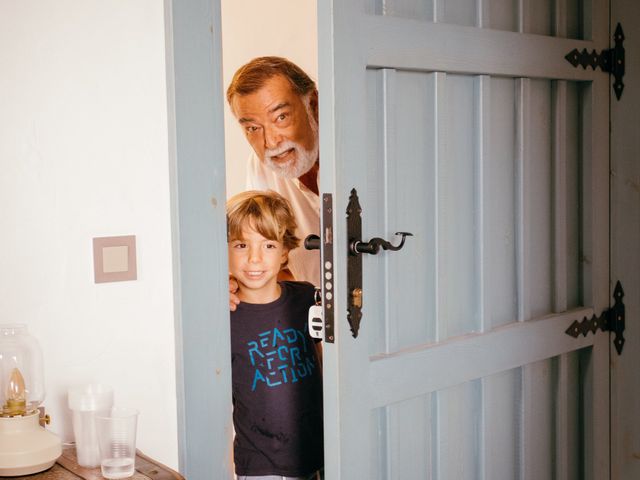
559	93
440	95
482	139
522	219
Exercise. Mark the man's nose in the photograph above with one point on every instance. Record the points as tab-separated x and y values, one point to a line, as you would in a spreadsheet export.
272	138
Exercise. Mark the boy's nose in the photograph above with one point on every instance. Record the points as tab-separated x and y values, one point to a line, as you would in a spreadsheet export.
255	255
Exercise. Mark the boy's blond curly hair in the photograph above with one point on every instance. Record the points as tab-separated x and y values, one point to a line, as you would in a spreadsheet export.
266	212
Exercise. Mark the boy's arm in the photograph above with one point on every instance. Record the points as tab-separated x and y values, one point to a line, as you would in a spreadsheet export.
234	300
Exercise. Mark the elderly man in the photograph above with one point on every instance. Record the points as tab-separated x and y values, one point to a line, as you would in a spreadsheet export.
276	105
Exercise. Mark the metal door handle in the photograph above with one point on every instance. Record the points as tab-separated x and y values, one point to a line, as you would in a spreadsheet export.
355	247
373	246
312	242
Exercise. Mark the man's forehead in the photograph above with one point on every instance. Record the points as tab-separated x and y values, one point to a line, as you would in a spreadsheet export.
274	95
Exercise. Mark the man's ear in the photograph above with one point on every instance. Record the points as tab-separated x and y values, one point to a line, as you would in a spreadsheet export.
313	104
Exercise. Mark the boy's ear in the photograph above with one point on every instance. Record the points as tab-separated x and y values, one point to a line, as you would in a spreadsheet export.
285	256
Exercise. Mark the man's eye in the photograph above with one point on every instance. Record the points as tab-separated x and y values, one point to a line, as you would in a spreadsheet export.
251	128
282	116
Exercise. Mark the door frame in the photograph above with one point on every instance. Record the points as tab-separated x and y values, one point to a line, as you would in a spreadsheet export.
197	171
625	239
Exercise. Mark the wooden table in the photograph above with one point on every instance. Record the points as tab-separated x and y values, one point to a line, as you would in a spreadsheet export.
67	468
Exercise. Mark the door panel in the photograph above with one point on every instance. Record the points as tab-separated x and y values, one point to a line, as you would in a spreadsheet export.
392	161
476	426
458	430
457	12
567	97
492	150
407	455
404	8
537	17
497	122
501	407
568	447
537	441
535	145
499	15
457	255
477	187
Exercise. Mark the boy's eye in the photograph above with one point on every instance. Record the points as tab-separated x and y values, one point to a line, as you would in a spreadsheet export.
240	245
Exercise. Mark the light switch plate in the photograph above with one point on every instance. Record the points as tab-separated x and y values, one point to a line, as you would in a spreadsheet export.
114	259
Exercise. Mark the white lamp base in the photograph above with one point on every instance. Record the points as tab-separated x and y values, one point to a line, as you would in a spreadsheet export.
26	447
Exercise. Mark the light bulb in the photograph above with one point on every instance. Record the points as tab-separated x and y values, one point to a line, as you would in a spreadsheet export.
16	403
16	388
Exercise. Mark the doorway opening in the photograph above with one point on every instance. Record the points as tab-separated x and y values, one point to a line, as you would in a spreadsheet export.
284	28
250	29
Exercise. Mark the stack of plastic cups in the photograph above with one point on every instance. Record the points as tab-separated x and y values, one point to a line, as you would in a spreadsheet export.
87	402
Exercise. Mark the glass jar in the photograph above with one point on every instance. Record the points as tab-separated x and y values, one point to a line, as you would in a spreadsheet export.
21	371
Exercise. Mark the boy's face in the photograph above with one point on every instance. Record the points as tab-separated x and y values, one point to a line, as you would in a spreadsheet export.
255	262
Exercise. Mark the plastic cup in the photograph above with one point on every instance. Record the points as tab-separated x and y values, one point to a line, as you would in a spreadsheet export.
86	402
117	442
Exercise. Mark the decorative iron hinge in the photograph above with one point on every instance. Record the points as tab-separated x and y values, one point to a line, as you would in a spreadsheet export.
611	320
610	60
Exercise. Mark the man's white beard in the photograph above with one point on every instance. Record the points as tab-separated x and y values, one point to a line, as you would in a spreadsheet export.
303	159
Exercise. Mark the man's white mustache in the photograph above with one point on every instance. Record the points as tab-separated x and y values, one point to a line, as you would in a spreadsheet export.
280	150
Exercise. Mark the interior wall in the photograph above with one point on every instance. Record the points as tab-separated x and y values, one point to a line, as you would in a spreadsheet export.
286	28
83	154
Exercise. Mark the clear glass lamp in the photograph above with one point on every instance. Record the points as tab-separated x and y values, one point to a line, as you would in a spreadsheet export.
25	446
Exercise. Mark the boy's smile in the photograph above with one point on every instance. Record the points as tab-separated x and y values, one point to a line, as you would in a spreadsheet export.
255	262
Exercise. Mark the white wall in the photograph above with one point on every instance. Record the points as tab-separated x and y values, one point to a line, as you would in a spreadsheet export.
250	28
83	153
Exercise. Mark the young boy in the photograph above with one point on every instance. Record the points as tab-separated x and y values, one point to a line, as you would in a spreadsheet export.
277	380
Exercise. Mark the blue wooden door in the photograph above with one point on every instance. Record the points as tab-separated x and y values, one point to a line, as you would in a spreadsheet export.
461	121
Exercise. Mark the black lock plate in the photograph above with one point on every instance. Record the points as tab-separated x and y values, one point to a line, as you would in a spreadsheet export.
354	264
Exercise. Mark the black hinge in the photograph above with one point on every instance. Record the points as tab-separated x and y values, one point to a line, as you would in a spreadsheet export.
610	60
611	320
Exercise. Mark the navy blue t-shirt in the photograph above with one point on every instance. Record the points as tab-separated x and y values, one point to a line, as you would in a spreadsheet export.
277	386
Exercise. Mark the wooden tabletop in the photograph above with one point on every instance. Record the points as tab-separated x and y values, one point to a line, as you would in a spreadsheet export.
67	468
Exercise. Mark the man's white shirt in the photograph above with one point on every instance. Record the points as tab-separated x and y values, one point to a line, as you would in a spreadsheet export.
304	264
